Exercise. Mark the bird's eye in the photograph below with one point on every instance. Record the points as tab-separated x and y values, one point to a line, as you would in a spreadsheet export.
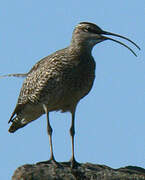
87	29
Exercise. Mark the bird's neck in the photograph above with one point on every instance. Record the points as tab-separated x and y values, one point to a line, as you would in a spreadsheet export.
81	46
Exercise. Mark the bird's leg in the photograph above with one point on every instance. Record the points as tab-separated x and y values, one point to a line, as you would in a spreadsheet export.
74	163
49	131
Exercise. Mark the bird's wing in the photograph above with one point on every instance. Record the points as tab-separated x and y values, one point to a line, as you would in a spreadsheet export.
40	78
44	79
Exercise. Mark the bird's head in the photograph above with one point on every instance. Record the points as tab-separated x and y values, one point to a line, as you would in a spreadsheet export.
89	34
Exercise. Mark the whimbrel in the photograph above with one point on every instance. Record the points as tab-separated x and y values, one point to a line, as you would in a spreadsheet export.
60	80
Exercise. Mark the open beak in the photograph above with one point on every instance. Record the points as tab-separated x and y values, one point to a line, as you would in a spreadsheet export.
113	34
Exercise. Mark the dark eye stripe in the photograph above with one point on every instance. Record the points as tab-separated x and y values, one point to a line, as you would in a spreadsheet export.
88	29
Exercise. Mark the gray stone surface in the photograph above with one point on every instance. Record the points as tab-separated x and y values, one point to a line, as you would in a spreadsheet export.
82	172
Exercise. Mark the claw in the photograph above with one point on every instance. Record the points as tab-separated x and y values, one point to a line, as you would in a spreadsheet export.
74	164
51	161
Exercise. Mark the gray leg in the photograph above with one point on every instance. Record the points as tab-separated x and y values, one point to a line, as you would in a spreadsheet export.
49	131
72	133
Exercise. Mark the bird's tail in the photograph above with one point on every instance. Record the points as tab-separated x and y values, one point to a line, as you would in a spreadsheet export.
14	75
17	123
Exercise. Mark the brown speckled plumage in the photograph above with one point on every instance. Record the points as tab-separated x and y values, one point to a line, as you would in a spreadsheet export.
59	81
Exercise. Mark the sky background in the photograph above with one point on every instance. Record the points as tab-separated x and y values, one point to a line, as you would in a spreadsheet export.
110	121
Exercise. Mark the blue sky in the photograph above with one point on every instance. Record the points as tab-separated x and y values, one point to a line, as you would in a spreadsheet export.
110	121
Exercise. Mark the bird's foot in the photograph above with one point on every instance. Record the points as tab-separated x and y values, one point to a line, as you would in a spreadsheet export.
74	164
51	161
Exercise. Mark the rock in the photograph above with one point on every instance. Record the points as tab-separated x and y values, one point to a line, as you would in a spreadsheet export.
85	171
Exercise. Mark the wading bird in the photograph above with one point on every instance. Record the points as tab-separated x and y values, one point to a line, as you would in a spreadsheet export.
60	80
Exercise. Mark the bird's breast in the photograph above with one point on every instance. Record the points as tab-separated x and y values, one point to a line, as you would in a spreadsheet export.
78	81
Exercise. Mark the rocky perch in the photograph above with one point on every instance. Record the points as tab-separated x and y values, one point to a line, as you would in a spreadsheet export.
85	171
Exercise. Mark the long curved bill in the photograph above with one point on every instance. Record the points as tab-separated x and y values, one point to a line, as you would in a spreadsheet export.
117	35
